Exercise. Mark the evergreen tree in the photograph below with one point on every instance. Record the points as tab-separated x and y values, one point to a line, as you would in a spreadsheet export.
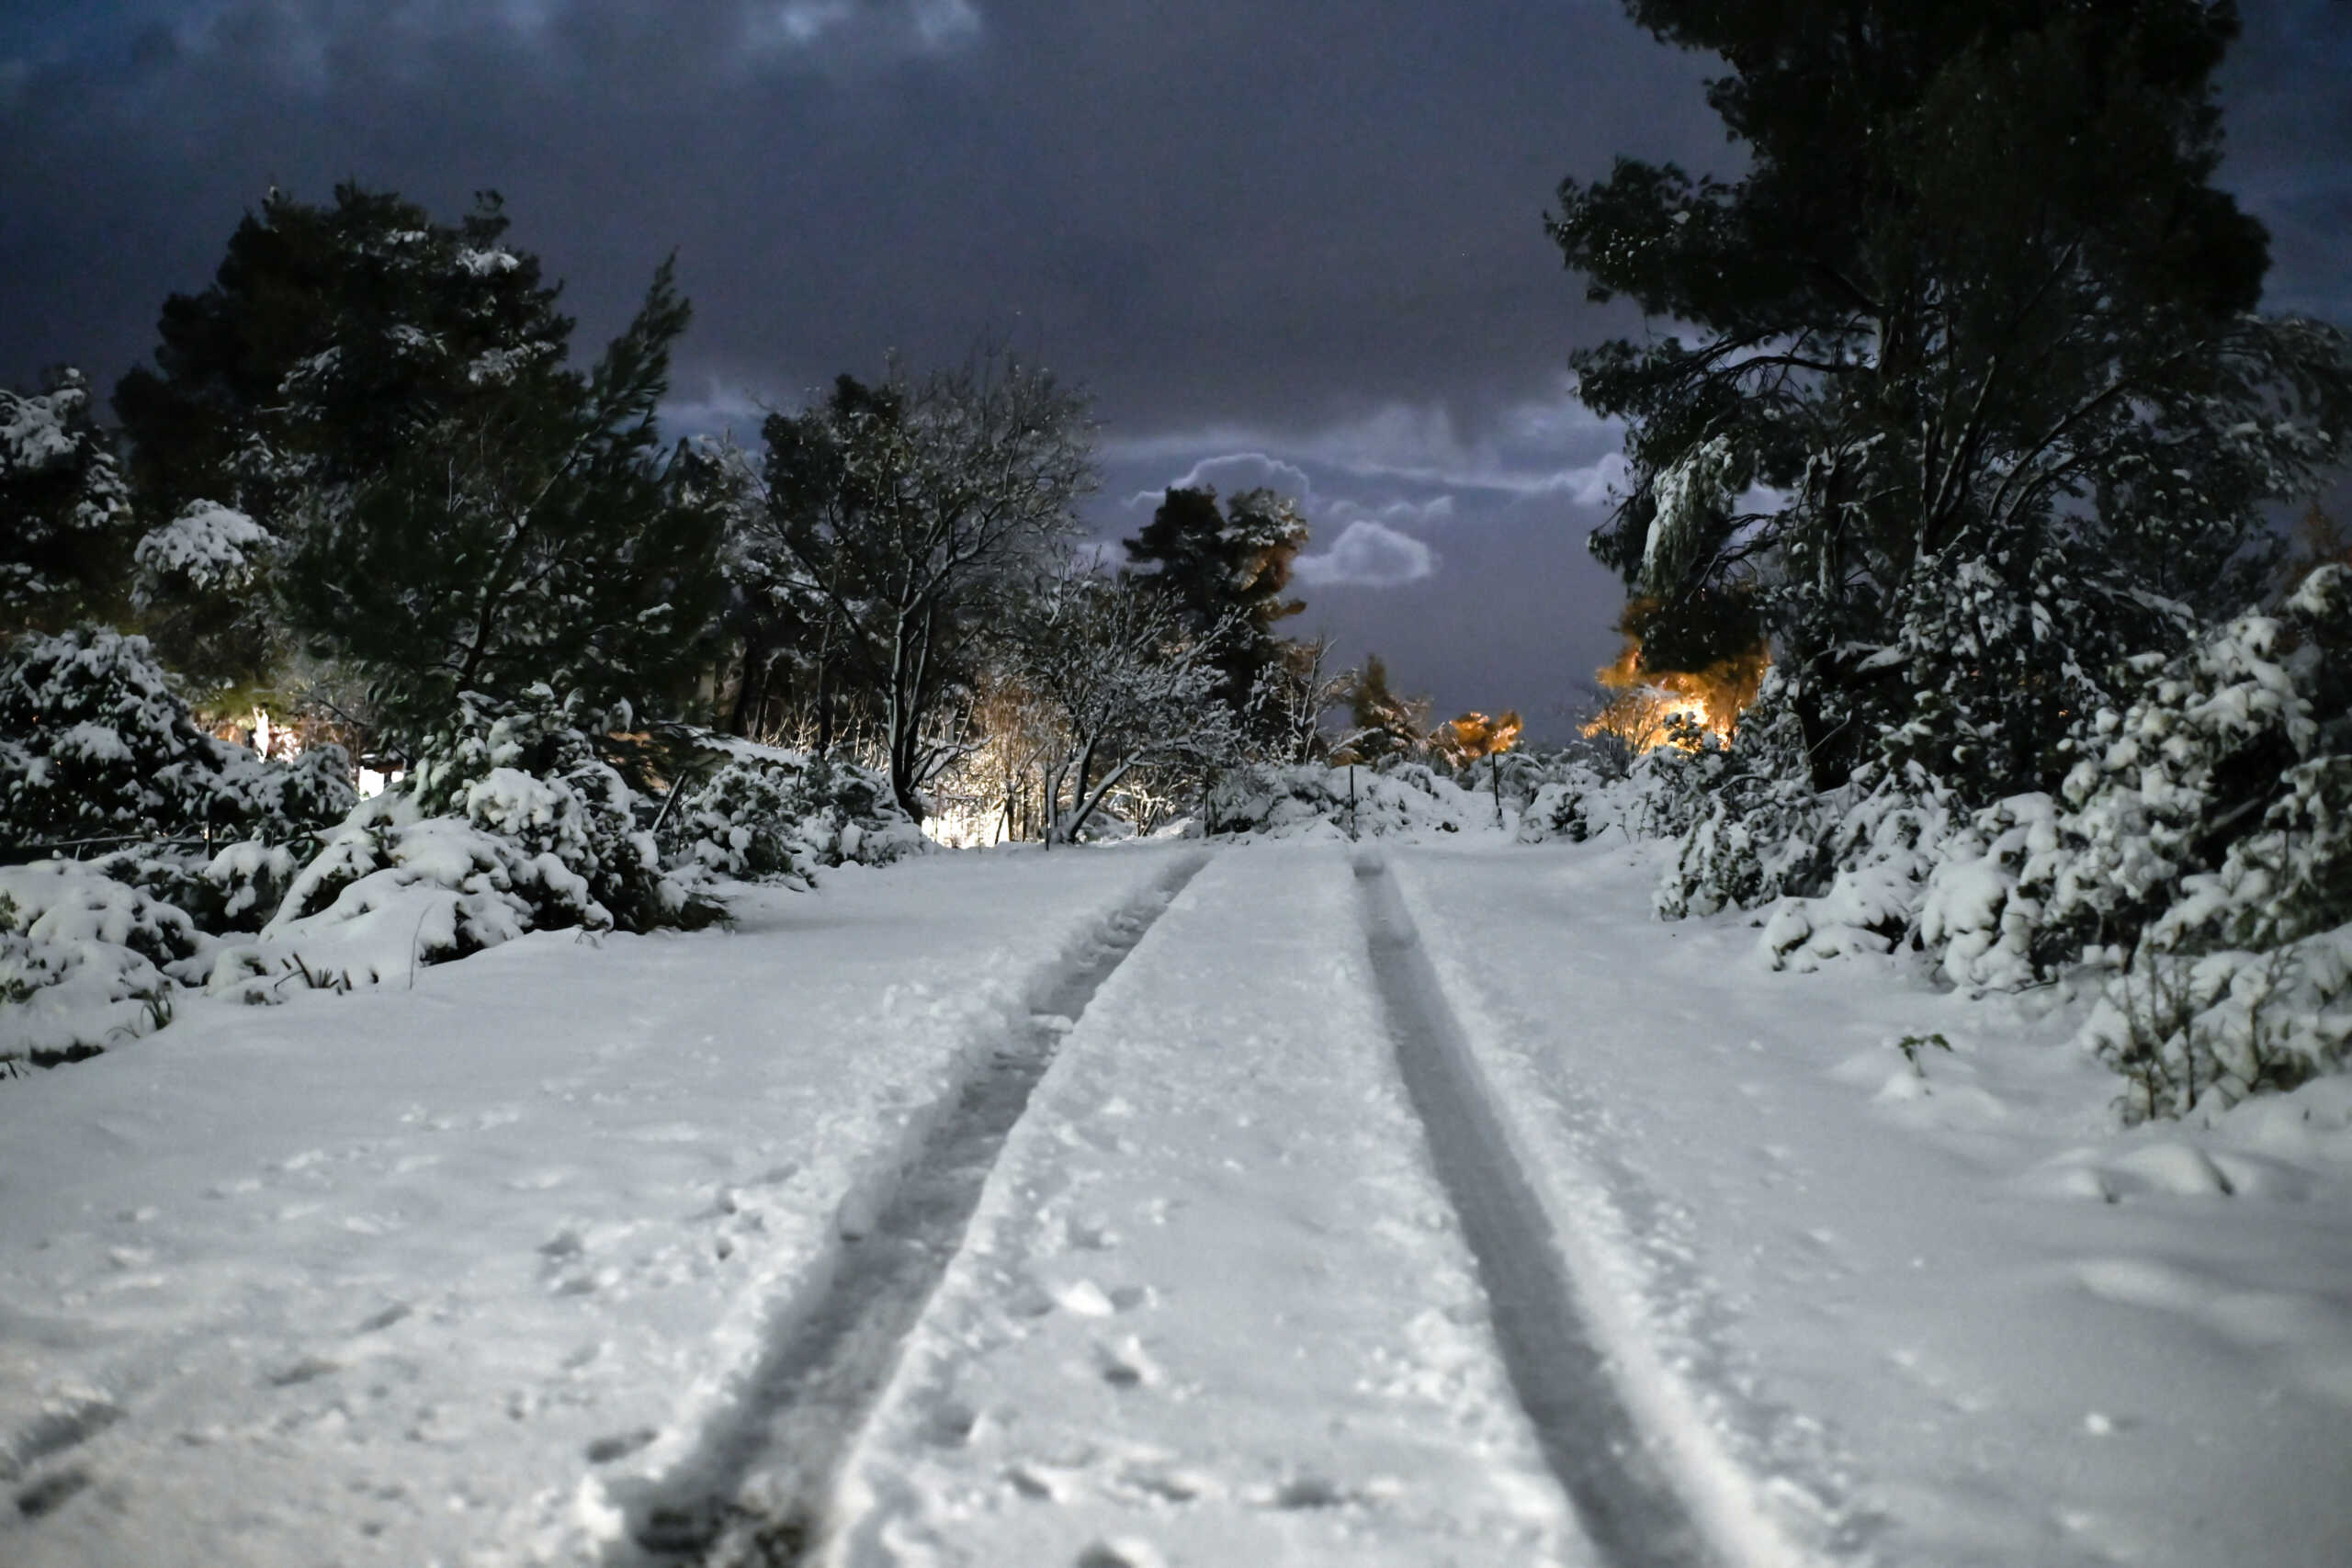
373	414
537	533
1384	725
65	520
1978	320
1227	570
335	343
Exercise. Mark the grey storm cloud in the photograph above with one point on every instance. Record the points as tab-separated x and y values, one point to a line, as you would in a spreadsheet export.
1309	231
1370	555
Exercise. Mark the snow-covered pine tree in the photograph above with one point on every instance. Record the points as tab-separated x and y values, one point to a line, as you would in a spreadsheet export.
1226	567
65	516
1383	724
331	342
1977	396
536	532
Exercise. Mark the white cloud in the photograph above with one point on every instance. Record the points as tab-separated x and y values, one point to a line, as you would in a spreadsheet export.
1538	446
1419	514
719	409
891	27
1231	474
1369	555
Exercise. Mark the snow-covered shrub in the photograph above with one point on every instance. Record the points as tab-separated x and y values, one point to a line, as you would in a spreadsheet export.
1981	914
1310	799
1565	807
235	887
1751	826
96	746
85	961
1878	854
2205	850
1756	840
527	774
2245	983
2207	1030
393	889
766	812
2193	763
1678	781
509	823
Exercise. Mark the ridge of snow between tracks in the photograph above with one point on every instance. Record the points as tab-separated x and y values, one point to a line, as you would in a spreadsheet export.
1647	1479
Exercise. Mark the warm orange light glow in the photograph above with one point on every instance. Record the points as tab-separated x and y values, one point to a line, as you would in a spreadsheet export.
1473	735
1648	703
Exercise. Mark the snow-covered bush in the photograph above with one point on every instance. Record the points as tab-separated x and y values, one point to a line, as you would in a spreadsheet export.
1877	854
527	773
2190	1031
1981	914
1311	799
85	961
508	822
96	746
393	889
766	812
2203	851
1751	826
235	887
1565	807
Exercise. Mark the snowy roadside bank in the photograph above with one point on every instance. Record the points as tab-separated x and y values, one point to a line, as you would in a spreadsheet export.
1885	1304
394	1277
1214	1308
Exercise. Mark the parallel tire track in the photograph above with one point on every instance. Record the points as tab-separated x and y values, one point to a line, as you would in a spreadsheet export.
753	1492
1558	1364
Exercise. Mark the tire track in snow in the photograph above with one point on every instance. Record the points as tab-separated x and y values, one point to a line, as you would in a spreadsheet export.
1559	1365
753	1490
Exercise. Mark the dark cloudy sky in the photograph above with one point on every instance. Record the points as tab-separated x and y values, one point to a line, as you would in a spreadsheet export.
1295	242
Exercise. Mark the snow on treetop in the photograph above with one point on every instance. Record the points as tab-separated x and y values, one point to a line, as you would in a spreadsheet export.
482	264
33	435
210	544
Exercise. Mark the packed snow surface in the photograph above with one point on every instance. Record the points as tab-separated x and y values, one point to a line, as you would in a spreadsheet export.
1214	1308
468	1273
411	1276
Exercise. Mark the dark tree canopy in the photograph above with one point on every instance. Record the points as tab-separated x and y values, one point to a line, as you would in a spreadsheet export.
1227	569
423	489
330	337
1979	326
536	532
65	517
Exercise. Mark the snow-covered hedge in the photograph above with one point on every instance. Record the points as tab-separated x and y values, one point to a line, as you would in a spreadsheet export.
85	961
95	746
2201	853
509	823
769	813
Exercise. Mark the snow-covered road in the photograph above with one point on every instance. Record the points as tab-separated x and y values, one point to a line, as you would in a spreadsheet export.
1147	1207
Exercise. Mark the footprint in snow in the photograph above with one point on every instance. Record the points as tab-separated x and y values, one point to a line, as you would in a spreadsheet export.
619	1445
307	1369
50	1493
66	1423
